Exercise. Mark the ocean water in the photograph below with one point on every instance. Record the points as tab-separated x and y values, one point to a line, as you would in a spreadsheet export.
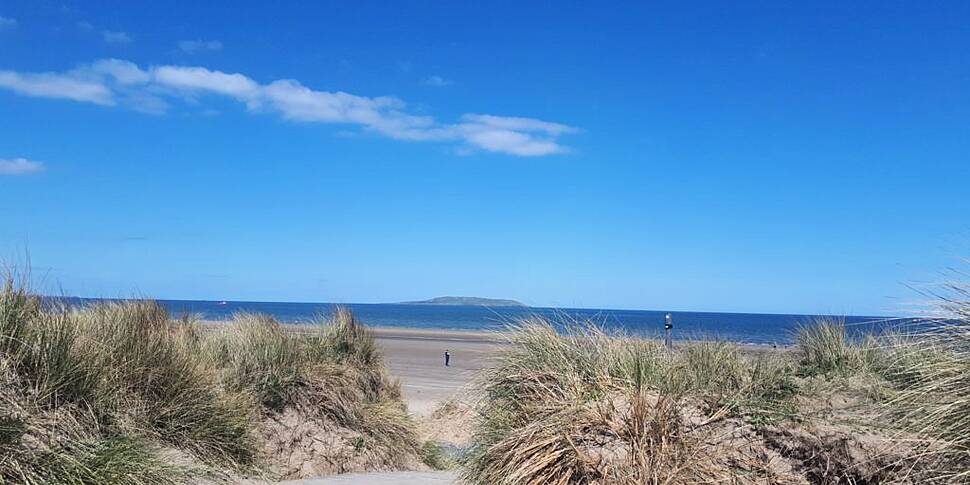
752	328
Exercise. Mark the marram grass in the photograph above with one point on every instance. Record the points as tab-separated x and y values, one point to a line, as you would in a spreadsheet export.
583	406
931	370
109	393
580	406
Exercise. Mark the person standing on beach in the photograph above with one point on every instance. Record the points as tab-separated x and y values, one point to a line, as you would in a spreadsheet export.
447	358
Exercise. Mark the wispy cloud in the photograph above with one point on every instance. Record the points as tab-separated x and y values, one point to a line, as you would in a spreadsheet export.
194	46
116	37
518	136
437	81
20	166
118	82
7	23
52	85
84	26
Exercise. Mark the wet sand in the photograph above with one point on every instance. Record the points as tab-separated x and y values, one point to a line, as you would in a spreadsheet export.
416	357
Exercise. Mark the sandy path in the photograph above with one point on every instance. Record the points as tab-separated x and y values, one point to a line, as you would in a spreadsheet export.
416	357
390	478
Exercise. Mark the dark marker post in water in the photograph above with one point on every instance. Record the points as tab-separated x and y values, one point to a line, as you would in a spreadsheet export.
668	327
447	358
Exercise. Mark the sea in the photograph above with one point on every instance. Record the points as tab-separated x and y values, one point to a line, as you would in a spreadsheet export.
747	328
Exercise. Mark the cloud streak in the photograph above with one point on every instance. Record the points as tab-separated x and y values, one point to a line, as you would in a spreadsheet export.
7	23
437	81
115	37
20	166
194	46
110	82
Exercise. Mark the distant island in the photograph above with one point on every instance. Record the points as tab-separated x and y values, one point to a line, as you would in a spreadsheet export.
466	300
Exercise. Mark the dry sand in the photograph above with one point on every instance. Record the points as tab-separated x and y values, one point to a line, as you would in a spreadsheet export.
382	478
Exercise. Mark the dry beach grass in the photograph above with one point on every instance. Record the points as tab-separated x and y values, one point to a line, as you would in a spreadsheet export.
122	393
585	407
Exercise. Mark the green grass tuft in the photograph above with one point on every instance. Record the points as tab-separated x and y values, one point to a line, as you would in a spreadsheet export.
825	348
435	457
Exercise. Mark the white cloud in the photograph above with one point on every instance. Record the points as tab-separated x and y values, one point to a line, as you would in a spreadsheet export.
20	166
437	81
114	81
512	142
517	124
53	85
115	37
193	46
123	72
84	26
200	79
300	103
7	23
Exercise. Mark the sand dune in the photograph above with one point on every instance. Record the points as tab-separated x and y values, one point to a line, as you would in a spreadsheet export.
416	357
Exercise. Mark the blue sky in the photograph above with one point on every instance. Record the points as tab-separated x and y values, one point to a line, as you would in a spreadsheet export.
732	156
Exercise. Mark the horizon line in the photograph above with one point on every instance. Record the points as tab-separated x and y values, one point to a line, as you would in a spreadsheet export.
525	306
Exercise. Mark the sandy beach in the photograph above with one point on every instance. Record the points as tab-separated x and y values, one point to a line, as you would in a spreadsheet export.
416	357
